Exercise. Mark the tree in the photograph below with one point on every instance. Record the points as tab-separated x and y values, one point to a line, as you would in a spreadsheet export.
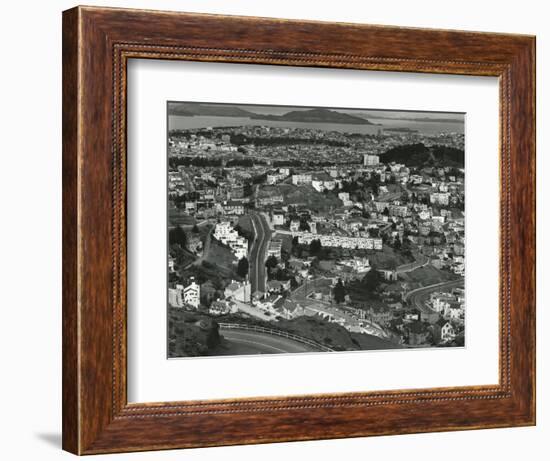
372	281
397	244
315	247
271	262
304	226
177	236
339	292
242	267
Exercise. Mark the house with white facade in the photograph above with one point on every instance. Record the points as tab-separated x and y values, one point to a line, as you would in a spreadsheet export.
239	291
185	295
278	218
447	332
274	249
225	233
192	294
298	179
440	198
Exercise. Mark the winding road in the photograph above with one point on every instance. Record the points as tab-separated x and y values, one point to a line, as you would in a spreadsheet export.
417	297
242	342
258	251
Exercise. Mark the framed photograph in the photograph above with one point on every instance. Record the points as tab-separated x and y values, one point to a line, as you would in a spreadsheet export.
281	230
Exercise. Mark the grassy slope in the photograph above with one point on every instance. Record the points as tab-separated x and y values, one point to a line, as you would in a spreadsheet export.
303	195
188	338
428	275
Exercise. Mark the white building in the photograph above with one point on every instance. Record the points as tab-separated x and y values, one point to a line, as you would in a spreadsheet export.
192	294
358	265
240	291
339	241
175	297
298	179
274	249
312	227
317	185
440	198
278	219
447	332
171	264
344	196
182	295
230	237
274	178
439	305
370	160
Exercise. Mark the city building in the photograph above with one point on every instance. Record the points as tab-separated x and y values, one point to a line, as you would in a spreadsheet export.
239	291
440	198
274	249
185	295
278	218
225	233
339	241
298	179
369	159
192	294
175	296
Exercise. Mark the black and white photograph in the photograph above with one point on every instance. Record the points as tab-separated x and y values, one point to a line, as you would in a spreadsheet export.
313	229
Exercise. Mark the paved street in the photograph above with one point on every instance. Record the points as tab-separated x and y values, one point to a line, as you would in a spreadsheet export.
262	235
251	342
417	297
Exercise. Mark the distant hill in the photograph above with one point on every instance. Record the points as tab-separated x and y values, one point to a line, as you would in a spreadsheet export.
214	110
420	155
316	116
221	110
410	119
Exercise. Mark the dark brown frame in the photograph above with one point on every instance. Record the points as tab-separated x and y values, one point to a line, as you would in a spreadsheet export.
97	43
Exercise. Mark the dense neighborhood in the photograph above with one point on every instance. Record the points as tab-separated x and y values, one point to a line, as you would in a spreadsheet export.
315	239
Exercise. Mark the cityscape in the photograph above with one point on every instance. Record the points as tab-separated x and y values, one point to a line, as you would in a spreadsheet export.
313	229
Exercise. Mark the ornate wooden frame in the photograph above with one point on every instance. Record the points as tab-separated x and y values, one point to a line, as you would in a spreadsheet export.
97	43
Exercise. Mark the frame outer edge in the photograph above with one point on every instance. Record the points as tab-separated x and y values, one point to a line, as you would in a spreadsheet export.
70	177
90	420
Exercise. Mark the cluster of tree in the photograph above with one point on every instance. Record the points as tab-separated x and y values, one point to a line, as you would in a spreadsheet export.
271	262
372	281
242	267
315	247
180	200
242	162
408	154
174	162
339	292
448	155
240	139
287	163
177	236
259	179
247	234
368	288
418	154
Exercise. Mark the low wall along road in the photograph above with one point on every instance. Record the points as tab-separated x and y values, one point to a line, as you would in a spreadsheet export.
251	339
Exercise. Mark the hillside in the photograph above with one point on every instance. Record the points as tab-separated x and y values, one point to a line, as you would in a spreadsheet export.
215	110
316	116
221	110
191	334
